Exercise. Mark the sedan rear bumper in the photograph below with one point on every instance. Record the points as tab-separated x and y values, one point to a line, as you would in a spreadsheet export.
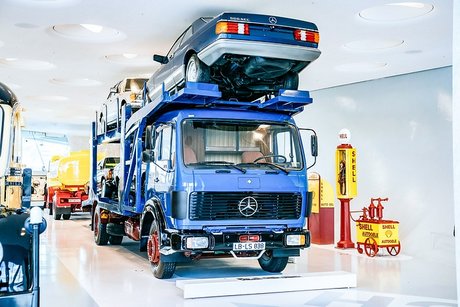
213	52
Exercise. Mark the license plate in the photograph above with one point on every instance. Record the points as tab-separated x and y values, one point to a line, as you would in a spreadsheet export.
249	246
75	200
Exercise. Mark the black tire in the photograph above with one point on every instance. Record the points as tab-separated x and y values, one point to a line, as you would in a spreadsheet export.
66	216
56	216
160	269
50	206
101	237
272	264
291	81
115	240
196	71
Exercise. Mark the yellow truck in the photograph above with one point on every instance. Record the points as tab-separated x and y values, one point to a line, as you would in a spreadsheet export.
67	184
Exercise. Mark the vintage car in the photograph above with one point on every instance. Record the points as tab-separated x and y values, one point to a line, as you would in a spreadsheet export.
128	90
247	55
105	169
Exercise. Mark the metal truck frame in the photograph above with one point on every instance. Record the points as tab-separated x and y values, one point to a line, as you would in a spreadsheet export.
181	207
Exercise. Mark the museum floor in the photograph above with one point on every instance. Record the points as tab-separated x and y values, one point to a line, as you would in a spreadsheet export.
76	272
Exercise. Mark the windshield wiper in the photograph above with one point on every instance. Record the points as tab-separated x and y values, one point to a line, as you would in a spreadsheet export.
221	163
272	165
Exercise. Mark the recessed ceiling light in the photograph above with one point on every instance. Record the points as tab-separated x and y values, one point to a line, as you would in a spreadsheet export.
130	55
47	98
362	66
76	82
92	28
131	59
27	64
373	44
88	32
396	11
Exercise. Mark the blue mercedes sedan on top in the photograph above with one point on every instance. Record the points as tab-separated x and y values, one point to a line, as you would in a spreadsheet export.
247	55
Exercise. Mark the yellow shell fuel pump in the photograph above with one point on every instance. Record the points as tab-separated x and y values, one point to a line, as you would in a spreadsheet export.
346	185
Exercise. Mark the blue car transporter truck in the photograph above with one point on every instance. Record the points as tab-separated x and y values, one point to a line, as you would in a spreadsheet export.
202	177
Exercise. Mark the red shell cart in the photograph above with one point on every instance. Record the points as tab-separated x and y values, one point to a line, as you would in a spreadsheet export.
373	232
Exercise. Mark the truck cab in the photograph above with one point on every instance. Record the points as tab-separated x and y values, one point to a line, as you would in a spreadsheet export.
211	182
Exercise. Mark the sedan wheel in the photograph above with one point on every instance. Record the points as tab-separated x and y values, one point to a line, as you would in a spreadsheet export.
196	71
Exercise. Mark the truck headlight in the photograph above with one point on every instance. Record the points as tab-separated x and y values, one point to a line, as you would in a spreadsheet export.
197	242
295	240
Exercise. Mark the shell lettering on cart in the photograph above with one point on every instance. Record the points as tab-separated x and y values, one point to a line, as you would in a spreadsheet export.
365	227
368	234
388	226
394	241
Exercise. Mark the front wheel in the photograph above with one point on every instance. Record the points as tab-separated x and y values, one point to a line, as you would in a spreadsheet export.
101	237
160	269
66	216
196	71
272	264
56	216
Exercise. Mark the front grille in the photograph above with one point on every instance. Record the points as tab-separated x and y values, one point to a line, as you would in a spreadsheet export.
210	206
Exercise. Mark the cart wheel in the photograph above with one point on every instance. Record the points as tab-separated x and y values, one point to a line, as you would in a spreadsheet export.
360	250
370	247
394	250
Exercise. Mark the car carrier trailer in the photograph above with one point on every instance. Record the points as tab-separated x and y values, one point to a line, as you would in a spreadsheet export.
203	177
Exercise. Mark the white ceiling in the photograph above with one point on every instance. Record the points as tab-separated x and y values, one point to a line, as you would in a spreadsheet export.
61	80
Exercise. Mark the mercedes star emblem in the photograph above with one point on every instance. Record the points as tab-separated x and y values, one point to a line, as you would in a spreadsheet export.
272	19
248	206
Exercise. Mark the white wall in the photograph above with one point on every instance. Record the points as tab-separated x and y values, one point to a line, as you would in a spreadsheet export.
402	129
456	128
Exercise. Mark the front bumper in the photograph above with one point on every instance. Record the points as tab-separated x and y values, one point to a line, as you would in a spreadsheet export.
223	242
214	51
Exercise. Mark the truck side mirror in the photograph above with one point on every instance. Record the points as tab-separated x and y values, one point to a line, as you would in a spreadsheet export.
160	59
314	145
147	156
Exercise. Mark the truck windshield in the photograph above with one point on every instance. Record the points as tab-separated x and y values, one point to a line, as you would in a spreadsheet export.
214	143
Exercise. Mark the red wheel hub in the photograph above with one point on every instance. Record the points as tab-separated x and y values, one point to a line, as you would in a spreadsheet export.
153	248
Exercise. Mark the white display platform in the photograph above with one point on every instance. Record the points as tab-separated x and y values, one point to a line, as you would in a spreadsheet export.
195	288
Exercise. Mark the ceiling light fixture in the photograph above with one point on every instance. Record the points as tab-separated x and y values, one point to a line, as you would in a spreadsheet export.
91	27
88	32
416	5
399	11
130	55
26	64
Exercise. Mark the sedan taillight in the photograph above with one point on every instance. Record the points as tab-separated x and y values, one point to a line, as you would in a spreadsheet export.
232	28
306	36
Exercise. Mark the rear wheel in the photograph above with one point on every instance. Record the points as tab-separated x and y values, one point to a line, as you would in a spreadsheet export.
160	269
272	264
196	71
56	216
66	216
50	207
101	237
291	81
115	240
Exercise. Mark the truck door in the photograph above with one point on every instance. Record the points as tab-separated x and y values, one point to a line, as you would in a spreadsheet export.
164	159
